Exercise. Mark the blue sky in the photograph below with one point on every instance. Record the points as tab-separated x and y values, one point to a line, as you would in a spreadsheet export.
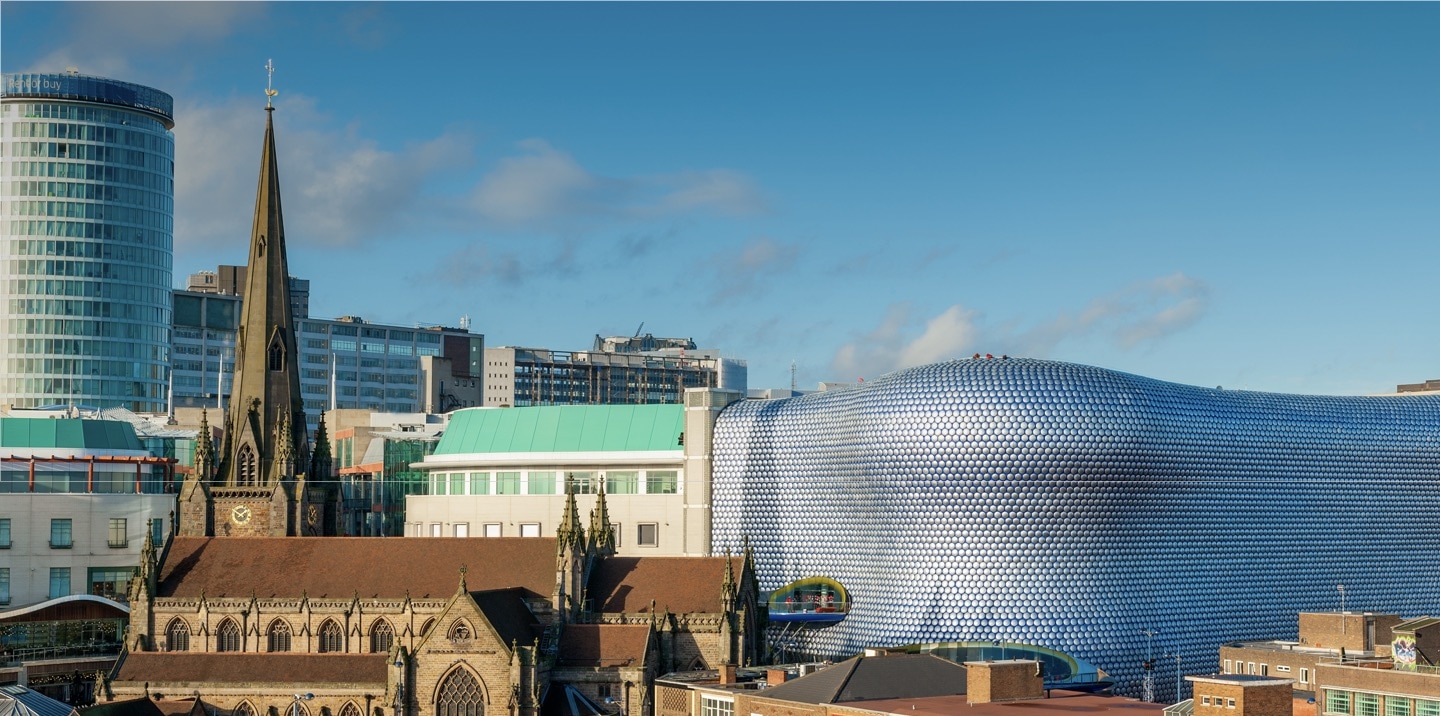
1231	194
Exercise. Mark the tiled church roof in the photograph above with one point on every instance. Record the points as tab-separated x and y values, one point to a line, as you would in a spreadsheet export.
681	584
603	645
336	567
305	669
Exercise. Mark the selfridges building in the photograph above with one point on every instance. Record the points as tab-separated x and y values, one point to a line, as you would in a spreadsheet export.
1074	508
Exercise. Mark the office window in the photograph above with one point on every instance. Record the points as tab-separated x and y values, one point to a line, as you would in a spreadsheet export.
1229	667
117	532
1205	700
157	531
529	529
1367	705
622	482
59	582
1282	669
1305	677
479	483
507	483
540	482
661	482
1397	706
580	483
1229	703
60	535
4	585
1427	707
438	482
5	533
462	529
713	706
1337	702
110	582
457	483
492	529
1264	669
1252	668
435	529
647	534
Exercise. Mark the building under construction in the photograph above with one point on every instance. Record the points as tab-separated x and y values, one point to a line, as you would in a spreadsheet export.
617	376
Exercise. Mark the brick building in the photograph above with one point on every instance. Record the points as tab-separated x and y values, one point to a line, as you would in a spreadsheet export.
1241	695
1321	636
413	627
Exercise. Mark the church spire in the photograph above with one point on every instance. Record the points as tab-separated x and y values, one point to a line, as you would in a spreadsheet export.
204	449
265	403
602	533
569	533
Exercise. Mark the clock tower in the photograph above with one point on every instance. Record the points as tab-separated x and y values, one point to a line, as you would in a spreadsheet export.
259	483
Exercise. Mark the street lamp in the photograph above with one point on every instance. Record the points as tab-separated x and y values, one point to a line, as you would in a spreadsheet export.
1341	587
295	705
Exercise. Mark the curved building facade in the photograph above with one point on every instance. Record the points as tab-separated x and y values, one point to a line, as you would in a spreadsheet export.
1074	507
85	264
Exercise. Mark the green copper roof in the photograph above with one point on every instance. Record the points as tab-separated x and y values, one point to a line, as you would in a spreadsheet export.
564	428
67	433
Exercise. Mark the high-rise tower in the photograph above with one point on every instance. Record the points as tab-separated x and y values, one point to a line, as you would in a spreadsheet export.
85	267
259	485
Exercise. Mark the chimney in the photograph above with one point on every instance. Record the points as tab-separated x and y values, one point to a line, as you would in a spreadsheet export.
995	681
775	677
727	673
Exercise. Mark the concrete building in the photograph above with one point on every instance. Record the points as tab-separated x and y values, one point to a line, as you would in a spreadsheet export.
85	268
383	368
1404	683
501	472
1322	636
375	459
230	281
1241	695
615	372
78	499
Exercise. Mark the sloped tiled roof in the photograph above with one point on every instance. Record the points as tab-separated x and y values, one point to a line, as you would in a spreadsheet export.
506	611
681	584
336	567
603	644
231	668
564	428
866	678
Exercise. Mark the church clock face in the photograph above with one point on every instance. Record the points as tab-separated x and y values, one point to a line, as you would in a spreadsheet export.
240	514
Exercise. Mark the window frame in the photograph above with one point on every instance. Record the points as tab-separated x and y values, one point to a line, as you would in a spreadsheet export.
640	528
5	536
57	574
123	530
499	529
69	533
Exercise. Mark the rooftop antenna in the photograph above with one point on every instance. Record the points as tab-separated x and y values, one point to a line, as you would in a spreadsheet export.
1148	684
792	376
270	91
465	323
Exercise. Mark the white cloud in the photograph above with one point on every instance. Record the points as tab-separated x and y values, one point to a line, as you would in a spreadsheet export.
339	188
544	188
103	38
739	273
1141	313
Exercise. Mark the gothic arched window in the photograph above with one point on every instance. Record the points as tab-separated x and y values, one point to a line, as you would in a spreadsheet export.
332	639
177	635
349	709
277	354
244	709
382	636
429	624
227	637
246	473
279	635
461	630
459	695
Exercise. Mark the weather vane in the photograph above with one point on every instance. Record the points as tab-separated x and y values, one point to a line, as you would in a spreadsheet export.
270	92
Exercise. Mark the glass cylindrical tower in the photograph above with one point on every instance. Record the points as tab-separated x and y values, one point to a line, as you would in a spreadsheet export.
87	201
